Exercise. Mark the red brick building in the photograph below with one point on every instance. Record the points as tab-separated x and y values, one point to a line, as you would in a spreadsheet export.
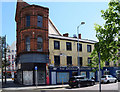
32	42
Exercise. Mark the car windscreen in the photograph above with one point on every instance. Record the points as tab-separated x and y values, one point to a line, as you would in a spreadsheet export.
103	77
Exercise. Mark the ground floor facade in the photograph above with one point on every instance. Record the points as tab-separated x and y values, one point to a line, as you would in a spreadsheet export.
27	74
61	75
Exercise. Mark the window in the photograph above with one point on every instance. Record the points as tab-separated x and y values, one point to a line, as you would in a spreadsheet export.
27	43
39	44
12	62
80	61
68	46
27	21
12	56
12	50
69	60
56	45
57	60
89	60
80	47
88	48
39	21
106	63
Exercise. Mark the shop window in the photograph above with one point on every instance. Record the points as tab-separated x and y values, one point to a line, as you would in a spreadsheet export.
69	60
91	75
68	46
80	47
39	44
56	45
83	74
27	43
39	21
106	72
57	60
27	21
88	48
74	73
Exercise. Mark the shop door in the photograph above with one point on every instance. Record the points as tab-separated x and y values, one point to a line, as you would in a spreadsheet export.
28	77
91	75
41	77
53	77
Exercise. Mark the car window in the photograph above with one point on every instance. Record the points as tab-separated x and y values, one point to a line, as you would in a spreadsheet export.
109	76
80	77
103	76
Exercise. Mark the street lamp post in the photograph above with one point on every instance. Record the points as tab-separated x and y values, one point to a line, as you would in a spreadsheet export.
78	46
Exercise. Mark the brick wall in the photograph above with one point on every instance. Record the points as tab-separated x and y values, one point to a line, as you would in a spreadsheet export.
33	31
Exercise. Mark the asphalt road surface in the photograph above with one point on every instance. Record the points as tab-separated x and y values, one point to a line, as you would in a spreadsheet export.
110	86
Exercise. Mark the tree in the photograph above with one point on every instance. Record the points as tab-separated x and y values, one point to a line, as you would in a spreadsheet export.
5	62
107	35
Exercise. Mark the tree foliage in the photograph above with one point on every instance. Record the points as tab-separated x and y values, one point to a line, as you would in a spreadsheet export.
108	35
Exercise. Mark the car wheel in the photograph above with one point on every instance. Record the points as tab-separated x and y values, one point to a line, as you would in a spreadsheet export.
92	83
79	85
108	81
71	86
115	81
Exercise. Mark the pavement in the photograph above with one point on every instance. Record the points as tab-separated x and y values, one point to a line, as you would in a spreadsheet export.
10	85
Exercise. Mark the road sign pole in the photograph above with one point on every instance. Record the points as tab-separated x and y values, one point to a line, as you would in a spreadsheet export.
36	81
99	73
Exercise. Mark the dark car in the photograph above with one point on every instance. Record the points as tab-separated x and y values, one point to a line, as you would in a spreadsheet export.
78	81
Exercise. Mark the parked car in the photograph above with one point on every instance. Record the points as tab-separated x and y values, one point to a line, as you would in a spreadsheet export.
108	79
78	81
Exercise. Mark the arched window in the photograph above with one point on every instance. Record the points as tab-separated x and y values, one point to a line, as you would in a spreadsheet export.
27	43
39	44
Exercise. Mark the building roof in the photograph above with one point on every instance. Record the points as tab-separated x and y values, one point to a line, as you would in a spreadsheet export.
54	33
71	39
52	29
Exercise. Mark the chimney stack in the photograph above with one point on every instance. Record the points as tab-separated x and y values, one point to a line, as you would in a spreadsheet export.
66	34
79	35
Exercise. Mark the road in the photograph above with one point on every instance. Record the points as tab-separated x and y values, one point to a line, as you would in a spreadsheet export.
110	86
11	87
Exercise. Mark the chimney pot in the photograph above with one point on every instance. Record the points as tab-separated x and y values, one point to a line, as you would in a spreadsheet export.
66	34
79	35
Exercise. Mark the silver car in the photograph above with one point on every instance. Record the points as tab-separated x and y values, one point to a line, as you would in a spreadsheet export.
108	79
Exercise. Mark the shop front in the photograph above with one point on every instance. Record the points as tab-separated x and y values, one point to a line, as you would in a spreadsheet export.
61	75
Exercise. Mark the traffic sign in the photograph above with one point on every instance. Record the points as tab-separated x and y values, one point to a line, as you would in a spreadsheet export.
35	67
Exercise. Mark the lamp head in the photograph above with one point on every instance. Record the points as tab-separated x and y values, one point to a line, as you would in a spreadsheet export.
82	23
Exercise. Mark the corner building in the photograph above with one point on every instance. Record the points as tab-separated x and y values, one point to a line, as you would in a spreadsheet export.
32	43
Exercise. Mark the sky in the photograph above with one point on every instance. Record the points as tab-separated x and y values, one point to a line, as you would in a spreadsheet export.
66	16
